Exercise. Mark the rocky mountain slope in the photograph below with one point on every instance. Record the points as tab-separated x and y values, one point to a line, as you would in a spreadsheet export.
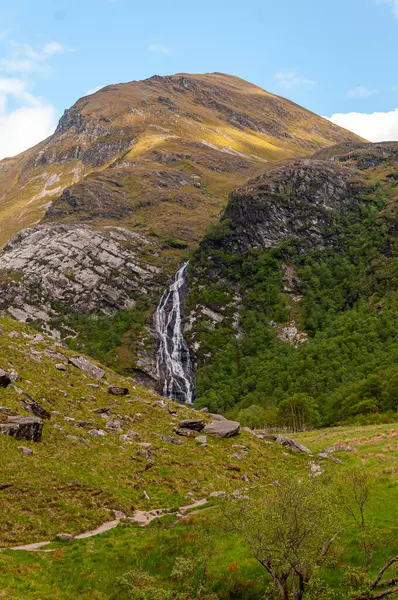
160	153
105	210
293	295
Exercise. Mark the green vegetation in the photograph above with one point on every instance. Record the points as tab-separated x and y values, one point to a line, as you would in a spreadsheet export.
74	480
347	302
204	553
111	339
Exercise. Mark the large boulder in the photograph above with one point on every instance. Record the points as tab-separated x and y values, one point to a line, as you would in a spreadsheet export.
223	428
194	424
23	428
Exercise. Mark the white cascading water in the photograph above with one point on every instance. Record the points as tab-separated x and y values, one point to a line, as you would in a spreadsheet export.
174	367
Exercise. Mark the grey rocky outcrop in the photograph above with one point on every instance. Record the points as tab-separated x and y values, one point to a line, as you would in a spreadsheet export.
194	424
88	367
83	268
283	441
294	201
23	428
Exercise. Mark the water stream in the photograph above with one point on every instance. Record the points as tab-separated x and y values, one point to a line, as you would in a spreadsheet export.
173	362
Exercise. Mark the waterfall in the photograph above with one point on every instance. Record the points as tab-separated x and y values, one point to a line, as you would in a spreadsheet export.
173	363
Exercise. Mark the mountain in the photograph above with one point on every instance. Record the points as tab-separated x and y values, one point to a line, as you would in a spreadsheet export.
293	295
163	152
105	210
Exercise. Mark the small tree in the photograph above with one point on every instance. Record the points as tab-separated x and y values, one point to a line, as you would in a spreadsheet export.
356	492
298	412
289	530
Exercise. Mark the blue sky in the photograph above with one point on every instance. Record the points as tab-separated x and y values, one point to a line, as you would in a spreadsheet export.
335	57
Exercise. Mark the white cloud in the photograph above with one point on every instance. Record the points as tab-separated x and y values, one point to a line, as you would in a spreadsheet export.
290	80
27	122
24	59
52	48
376	127
392	3
25	118
158	48
362	92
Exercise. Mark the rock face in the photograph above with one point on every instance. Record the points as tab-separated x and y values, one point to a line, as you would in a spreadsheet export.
23	428
292	202
83	268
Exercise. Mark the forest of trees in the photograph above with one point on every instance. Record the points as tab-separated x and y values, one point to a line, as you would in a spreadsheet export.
347	370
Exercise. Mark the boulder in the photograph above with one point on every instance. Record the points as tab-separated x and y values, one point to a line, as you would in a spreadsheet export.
144	453
23	428
295	446
5	379
284	441
222	428
64	537
216	417
202	440
194	424
171	440
185	432
88	367
60	367
31	405
118	391
25	451
97	433
14	375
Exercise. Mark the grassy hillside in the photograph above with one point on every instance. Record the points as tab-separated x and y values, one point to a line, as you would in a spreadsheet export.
97	568
73	480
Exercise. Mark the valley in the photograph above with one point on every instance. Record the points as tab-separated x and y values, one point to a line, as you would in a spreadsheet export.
198	351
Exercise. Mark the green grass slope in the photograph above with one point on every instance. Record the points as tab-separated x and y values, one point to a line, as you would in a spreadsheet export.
96	568
72	484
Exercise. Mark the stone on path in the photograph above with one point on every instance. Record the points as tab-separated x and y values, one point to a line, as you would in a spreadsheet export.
64	537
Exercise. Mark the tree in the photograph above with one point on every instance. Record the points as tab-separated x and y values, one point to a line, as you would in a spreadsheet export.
356	494
356	491
378	588
289	530
298	412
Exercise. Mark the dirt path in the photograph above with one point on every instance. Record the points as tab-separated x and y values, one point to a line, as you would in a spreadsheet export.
141	517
